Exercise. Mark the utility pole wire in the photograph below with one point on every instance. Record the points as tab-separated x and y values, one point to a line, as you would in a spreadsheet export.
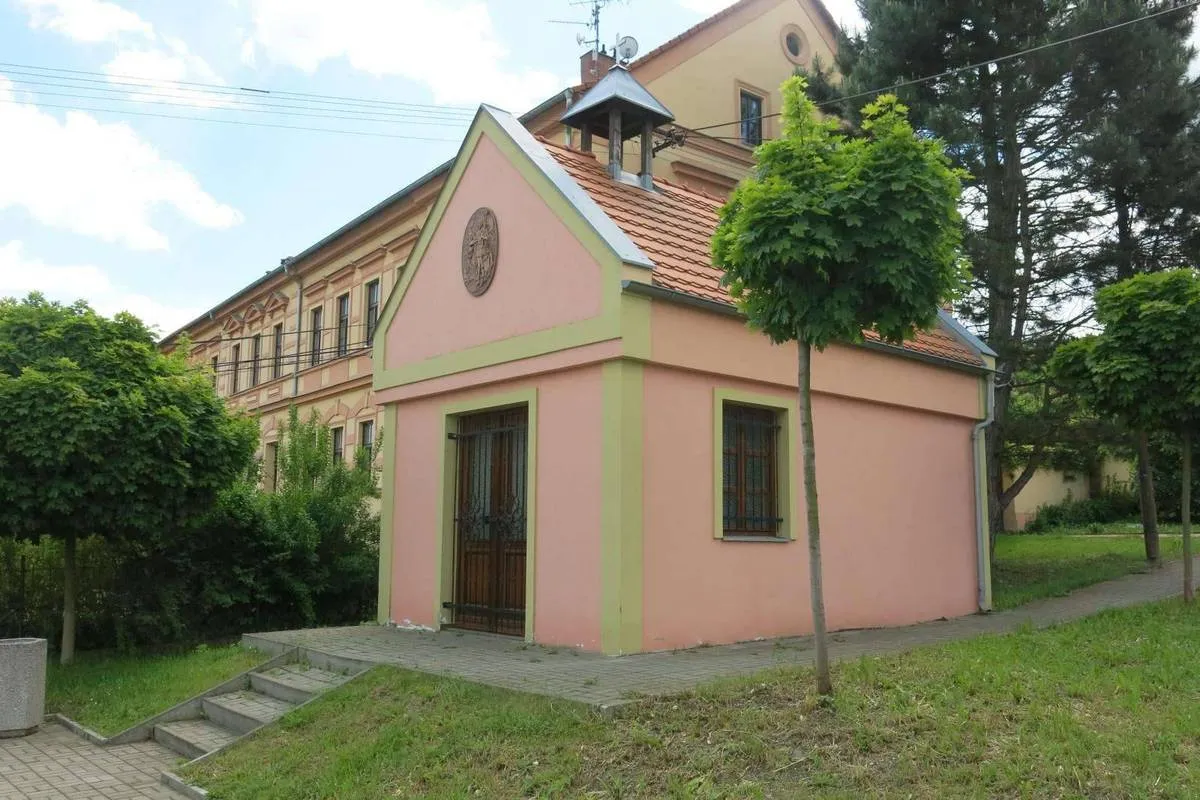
236	103
238	89
378	134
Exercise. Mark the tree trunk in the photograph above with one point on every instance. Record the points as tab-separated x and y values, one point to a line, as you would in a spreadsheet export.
1146	497
824	681
1185	514
67	653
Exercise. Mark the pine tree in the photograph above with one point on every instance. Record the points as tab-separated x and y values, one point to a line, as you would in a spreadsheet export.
1137	154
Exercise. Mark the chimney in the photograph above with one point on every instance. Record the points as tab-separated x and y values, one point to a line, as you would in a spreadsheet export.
594	65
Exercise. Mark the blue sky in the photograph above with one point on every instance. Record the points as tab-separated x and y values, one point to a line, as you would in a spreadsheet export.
165	217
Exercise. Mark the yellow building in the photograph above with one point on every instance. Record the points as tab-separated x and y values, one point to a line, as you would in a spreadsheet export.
301	335
1050	487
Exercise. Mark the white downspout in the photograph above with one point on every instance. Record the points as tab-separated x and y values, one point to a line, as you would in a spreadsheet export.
982	536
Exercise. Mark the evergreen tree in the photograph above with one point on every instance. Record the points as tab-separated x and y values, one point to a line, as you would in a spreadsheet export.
1137	155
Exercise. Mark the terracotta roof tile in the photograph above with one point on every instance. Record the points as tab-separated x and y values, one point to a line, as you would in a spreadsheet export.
674	227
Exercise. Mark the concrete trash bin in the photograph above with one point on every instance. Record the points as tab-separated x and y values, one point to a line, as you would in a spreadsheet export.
22	686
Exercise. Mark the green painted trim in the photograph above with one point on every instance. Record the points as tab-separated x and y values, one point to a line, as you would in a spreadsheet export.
444	588
605	326
387	516
635	326
529	345
621	515
788	455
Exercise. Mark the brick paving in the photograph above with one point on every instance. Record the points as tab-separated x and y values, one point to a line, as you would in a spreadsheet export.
54	764
606	681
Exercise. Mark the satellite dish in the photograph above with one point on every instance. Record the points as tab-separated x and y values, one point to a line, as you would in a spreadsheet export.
580	39
627	48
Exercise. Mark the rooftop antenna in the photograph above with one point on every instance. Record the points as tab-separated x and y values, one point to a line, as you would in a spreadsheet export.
625	49
593	34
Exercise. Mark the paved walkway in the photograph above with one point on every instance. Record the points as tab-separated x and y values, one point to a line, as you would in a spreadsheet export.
606	681
54	764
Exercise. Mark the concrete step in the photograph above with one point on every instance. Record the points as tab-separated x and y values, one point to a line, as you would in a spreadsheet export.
244	711
295	683
192	738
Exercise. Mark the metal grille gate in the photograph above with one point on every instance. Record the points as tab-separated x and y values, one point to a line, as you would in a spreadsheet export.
489	522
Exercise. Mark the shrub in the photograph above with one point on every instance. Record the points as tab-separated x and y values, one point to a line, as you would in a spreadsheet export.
305	555
1115	503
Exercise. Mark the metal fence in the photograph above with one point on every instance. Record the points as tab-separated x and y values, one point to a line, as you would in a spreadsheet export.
31	591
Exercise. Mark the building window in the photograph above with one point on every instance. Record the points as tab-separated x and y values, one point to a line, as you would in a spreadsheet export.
751	117
213	365
255	355
366	435
794	44
343	325
339	444
750	461
314	346
271	466
277	358
372	310
237	365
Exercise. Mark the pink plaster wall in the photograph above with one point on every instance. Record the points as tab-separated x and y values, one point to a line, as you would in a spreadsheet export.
896	514
567	543
687	338
544	276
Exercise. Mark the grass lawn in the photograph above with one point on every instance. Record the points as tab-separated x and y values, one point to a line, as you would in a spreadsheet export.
109	692
1032	566
1100	708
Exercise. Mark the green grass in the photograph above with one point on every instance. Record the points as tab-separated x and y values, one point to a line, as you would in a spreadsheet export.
109	692
1100	708
1034	566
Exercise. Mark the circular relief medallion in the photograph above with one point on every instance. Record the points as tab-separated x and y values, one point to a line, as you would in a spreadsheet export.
480	251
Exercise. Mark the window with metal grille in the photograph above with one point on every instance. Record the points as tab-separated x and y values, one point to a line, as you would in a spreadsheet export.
277	360
750	443
366	435
339	444
751	118
314	345
372	310
255	355
237	365
343	325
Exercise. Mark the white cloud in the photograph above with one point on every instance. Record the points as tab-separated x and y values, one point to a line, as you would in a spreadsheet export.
21	274
86	20
96	179
451	48
142	52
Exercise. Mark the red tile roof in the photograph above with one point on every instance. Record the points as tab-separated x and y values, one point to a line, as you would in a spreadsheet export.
674	228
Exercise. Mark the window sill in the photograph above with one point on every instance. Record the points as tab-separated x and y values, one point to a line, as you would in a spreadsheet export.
735	538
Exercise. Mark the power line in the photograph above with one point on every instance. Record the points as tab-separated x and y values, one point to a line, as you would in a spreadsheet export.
950	72
232	121
356	118
242	89
240	102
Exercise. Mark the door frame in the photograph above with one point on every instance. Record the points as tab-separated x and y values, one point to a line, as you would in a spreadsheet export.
444	578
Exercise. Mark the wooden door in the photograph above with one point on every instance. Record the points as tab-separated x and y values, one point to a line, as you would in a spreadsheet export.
489	540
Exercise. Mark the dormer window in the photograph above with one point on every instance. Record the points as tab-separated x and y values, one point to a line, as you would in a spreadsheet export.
751	117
